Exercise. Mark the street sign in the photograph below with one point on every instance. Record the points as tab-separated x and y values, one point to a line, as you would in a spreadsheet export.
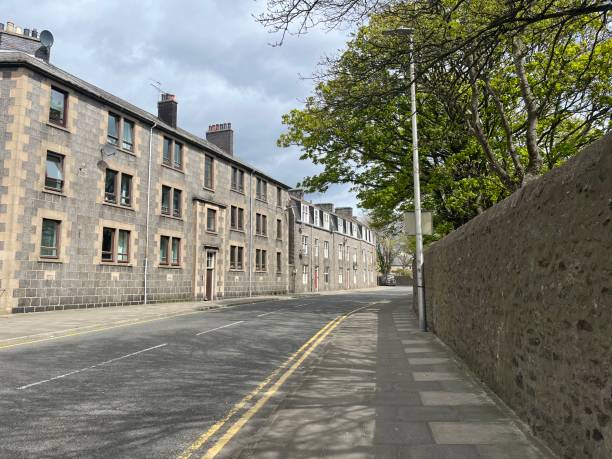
426	223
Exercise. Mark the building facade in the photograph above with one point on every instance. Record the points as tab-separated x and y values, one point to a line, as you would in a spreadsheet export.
102	203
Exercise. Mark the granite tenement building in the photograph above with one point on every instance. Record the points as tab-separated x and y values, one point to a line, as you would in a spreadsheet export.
103	203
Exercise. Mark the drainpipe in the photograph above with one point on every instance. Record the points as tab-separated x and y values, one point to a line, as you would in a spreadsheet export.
250	234
146	256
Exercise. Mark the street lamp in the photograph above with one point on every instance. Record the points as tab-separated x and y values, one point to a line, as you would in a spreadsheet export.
420	293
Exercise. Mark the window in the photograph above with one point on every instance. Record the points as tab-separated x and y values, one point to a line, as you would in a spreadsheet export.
305	213
326	249
236	257
172	155
176	251
279	196
176	203
355	255
112	135
178	155
49	240
326	274
237	179
167	154
261	225
316	248
110	186
340	278
164	241
316	217
126	190
305	245
123	246
208	172
128	135
108	243
120	128
237	218
326	220
124	194
211	220
261	260
169	251
340	252
58	107
115	245
261	189
279	266
279	228
54	173
173	207
304	274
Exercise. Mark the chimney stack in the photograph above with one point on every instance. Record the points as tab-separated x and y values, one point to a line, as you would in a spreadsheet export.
327	207
346	212
297	193
167	109
222	136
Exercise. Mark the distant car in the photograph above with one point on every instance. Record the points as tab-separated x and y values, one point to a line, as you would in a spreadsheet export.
389	280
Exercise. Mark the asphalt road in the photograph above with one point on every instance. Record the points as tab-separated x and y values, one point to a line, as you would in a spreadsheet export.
151	389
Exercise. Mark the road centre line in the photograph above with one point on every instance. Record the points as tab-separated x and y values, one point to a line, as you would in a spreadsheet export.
197	444
91	366
219	328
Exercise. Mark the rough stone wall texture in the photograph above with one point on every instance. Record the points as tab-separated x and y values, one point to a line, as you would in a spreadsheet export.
523	293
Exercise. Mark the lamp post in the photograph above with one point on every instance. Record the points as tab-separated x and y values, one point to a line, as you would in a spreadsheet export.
420	293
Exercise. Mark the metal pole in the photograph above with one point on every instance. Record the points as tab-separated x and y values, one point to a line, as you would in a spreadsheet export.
417	193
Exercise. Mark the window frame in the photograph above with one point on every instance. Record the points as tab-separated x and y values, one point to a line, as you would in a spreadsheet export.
236	258
65	94
208	159
172	210
237	180
237	214
279	196
261	189
279	229
261	225
62	171
214	227
171	161
112	247
58	226
279	262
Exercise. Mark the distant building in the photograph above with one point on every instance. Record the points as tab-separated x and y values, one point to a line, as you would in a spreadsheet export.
102	203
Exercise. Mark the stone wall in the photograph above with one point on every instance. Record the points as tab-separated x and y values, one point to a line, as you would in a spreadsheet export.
523	293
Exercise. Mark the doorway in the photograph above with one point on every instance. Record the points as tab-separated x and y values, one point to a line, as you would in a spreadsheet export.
210	275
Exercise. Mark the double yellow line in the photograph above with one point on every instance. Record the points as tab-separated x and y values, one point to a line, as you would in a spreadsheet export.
289	367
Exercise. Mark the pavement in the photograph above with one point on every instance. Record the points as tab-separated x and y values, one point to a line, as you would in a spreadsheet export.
336	375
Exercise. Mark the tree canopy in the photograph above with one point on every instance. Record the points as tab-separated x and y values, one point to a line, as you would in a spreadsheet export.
493	113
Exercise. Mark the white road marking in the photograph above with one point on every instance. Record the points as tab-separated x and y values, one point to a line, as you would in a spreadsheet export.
271	312
92	366
219	328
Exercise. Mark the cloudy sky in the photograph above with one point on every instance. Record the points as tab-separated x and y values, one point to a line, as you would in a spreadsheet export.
210	53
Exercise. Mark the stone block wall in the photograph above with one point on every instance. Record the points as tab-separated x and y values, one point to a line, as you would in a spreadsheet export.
523	293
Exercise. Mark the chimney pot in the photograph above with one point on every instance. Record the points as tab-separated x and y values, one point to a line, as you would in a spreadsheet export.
26	32
34	33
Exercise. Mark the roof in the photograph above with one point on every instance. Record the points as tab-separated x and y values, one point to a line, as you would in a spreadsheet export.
17	58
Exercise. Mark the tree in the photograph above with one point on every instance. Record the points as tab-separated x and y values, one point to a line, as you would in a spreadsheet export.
386	251
490	117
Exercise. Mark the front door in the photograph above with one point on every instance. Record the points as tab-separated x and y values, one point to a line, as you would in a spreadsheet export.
210	275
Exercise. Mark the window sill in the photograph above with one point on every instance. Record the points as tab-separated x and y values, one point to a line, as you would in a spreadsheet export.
235	190
172	217
236	270
238	230
56	193
212	190
50	260
260	272
58	126
262	235
115	263
169	267
118	206
214	233
182	171
123	150
261	200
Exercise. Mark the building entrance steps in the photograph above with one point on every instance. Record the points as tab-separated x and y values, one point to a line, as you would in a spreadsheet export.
381	388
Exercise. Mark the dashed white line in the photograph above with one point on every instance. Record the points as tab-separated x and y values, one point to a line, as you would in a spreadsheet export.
271	312
219	328
92	366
